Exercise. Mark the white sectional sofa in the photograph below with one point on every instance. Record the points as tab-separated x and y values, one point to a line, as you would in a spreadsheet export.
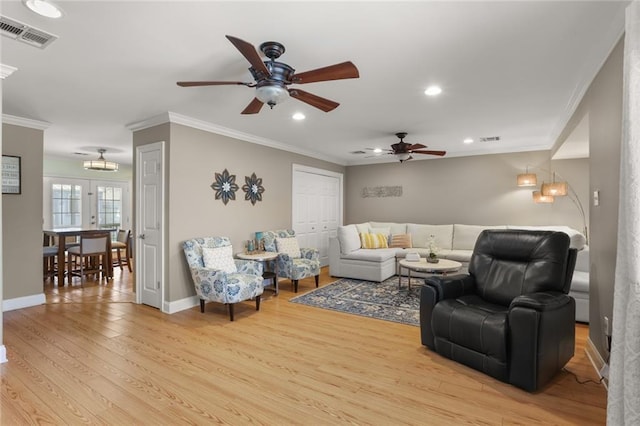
348	259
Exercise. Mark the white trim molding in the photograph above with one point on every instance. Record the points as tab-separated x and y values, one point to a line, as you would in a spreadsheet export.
172	117
596	360
181	305
6	70
23	302
25	122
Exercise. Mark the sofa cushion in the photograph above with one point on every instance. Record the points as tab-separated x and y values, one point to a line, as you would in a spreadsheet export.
577	239
372	255
465	236
457	255
400	241
219	258
580	282
363	227
396	228
582	260
373	241
384	231
349	239
420	235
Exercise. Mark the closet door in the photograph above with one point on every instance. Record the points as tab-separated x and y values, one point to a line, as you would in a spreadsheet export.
317	207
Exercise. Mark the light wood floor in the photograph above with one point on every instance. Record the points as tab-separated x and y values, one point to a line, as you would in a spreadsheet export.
90	356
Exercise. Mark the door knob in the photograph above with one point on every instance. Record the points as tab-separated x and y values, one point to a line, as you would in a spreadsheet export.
141	236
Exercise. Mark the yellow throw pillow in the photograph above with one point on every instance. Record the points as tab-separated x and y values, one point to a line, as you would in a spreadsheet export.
400	241
373	241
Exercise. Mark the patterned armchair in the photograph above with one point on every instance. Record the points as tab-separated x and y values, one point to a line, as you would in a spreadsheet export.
218	277
294	262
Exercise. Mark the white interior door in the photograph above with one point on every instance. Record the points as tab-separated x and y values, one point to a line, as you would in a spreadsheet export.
149	224
317	207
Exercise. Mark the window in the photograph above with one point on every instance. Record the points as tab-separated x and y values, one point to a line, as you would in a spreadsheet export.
109	207
67	205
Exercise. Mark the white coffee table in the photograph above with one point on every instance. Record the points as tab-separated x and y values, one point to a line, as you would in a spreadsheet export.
264	257
444	266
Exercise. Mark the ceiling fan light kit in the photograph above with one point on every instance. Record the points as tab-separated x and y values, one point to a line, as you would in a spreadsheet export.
272	78
101	164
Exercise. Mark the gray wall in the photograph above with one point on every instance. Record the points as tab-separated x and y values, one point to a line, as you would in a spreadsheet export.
22	215
193	158
604	100
478	190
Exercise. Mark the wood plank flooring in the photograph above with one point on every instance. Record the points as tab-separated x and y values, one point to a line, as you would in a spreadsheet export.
89	356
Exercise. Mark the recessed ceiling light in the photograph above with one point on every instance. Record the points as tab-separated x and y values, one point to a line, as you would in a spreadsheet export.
433	91
468	140
45	8
298	116
377	150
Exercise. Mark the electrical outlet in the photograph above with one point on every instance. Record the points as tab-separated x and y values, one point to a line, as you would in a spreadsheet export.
596	198
607	326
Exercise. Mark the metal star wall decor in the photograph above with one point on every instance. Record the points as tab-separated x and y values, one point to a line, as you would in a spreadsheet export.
225	186
253	188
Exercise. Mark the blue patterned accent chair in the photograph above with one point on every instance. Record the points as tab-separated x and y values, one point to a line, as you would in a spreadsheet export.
224	280
293	266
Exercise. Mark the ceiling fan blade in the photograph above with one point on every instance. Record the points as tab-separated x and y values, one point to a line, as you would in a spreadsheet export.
440	153
324	104
254	107
416	146
332	72
251	54
212	83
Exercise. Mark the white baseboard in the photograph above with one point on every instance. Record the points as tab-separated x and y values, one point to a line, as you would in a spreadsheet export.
181	305
23	302
3	354
596	360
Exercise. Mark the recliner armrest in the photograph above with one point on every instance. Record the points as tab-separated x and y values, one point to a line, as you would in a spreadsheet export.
543	301
453	286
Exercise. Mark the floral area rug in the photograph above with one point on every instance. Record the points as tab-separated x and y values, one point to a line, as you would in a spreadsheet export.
370	299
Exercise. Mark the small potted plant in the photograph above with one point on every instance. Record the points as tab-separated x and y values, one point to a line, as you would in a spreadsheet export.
433	250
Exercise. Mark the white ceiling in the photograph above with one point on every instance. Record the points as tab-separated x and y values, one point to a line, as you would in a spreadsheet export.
512	69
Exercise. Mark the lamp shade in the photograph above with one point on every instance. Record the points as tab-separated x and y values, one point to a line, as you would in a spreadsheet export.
527	179
539	198
554	189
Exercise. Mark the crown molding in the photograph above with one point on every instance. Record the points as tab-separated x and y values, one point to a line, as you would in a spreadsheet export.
25	122
6	70
174	118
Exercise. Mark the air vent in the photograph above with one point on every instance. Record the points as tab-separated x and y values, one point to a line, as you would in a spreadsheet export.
25	33
490	139
357	152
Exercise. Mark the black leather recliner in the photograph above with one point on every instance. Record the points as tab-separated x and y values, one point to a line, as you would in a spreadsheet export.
510	317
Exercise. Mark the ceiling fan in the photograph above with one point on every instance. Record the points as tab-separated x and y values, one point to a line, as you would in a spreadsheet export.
403	150
272	77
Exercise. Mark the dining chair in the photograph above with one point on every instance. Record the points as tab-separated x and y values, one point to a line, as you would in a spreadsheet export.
122	243
49	259
89	257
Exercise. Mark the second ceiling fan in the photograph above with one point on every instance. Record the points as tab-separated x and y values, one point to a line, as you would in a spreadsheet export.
272	77
403	150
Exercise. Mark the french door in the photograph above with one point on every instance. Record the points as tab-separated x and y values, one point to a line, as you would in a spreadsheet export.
85	203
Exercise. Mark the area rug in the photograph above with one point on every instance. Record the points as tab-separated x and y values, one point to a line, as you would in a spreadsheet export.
370	299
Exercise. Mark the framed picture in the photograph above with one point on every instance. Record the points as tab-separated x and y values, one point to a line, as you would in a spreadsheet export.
11	175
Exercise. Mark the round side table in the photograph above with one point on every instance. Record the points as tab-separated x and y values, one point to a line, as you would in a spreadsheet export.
264	257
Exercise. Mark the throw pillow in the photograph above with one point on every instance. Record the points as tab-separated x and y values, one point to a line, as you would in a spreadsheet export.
400	241
289	246
219	258
373	241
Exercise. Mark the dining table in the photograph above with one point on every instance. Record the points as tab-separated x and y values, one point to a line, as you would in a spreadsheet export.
61	234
